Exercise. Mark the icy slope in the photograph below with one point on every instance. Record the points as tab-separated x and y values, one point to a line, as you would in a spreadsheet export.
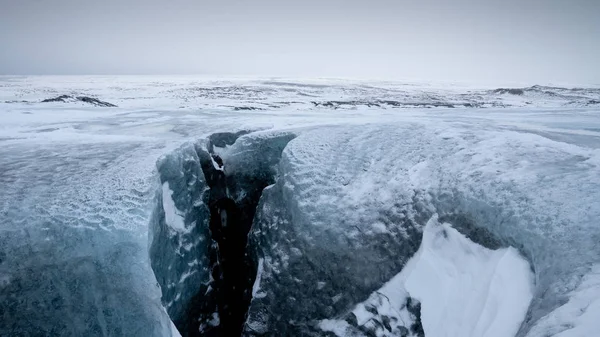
179	235
73	241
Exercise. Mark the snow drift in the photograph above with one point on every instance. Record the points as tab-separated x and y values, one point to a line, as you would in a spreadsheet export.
463	289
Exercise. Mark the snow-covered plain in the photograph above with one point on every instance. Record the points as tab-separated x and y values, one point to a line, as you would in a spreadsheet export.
502	167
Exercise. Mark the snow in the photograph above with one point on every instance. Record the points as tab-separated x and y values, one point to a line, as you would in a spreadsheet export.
256	285
173	216
78	184
465	289
339	328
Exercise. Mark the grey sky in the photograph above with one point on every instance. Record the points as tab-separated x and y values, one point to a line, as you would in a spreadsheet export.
530	41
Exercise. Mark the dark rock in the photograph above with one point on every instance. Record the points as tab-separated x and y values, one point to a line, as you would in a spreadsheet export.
84	99
247	108
60	98
510	91
95	101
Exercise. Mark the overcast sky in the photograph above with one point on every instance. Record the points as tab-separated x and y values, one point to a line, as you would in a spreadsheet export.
534	41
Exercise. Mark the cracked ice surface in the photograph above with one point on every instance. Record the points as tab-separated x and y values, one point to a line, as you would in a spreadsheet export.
78	183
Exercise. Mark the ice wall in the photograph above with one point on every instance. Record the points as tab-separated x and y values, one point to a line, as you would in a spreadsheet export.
180	241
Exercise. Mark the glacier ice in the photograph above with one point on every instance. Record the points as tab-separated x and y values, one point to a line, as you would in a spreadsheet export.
324	231
365	171
73	258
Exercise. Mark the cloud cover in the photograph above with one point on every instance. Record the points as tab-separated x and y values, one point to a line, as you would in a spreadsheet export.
530	41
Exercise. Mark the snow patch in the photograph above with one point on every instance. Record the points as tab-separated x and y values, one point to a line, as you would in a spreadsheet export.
256	286
579	316
173	216
339	328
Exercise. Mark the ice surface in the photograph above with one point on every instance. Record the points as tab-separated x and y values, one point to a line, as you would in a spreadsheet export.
370	164
252	95
500	187
317	246
72	244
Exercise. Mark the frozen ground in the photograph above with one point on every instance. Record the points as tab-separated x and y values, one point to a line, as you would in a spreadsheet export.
79	179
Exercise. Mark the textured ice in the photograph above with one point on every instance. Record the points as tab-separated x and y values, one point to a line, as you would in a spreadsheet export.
73	256
184	254
577	317
370	164
499	187
179	235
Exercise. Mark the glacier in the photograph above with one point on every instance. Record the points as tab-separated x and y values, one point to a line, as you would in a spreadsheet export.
476	179
362	202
